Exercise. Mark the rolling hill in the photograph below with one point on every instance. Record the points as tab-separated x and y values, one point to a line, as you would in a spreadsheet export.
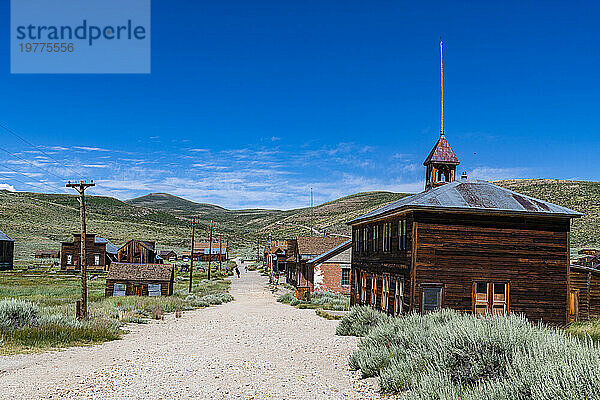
39	221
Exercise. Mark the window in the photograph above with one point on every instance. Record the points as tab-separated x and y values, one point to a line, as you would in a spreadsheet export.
375	238
96	259
373	290
69	259
363	287
345	276
573	305
402	234
365	241
154	289
432	298
385	292
387	236
481	298
490	297
398	294
119	289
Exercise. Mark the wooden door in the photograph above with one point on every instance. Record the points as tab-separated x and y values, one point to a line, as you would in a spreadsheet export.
138	290
573	305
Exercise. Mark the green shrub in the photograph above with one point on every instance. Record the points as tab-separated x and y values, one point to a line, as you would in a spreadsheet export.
330	301
359	321
449	355
17	314
286	298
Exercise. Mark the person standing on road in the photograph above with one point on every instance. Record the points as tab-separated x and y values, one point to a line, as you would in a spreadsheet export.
237	271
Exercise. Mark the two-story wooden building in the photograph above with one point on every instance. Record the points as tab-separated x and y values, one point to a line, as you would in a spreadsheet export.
464	244
100	253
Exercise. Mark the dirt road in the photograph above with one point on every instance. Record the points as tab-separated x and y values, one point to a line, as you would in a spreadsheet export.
252	348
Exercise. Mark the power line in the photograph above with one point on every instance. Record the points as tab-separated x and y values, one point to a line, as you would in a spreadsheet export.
15	134
30	163
30	177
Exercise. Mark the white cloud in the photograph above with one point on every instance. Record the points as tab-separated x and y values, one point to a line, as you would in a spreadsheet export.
6	186
86	148
95	166
494	174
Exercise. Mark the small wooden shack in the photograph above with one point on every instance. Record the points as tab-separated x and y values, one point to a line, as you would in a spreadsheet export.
207	251
47	254
584	293
124	279
137	251
168	255
7	251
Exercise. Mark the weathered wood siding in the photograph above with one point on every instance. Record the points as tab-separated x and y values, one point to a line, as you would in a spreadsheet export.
93	249
587	283
530	254
135	252
7	250
166	288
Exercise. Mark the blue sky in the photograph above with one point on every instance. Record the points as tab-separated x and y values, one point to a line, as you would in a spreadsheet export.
249	104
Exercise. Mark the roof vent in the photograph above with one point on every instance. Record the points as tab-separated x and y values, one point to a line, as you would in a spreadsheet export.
464	176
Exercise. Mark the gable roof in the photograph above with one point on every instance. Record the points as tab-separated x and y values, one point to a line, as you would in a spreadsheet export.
472	195
164	253
144	243
5	237
140	272
110	248
314	245
330	253
442	152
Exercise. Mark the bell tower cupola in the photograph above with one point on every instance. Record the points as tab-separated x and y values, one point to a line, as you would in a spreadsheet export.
441	162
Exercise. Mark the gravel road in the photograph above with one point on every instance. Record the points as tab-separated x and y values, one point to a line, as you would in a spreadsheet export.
251	348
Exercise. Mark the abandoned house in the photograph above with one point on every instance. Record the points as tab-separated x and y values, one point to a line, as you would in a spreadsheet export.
277	253
47	253
100	253
300	273
125	279
168	255
205	251
138	252
331	270
464	244
7	251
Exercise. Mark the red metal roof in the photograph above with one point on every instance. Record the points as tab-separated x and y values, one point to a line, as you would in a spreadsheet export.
442	153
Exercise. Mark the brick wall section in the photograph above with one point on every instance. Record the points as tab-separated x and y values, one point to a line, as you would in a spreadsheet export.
328	277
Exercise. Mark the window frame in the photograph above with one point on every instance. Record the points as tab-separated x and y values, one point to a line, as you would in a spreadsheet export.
349	276
490	300
398	296
429	286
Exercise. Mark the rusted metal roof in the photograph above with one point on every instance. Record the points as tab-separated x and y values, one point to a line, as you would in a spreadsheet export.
442	153
315	245
139	272
4	237
328	254
472	195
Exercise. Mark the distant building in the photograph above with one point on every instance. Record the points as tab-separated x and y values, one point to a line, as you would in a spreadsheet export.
125	279
301	273
204	251
100	253
7	251
331	270
464	244
168	255
47	254
138	252
279	253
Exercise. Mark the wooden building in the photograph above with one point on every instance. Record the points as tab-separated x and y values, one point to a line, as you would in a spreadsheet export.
331	270
100	253
300	273
463	244
205	251
7	251
125	279
279	253
47	254
168	255
138	252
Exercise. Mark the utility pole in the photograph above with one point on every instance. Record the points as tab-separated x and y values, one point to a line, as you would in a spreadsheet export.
80	187
210	249
192	252
270	257
220	250
257	249
311	212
